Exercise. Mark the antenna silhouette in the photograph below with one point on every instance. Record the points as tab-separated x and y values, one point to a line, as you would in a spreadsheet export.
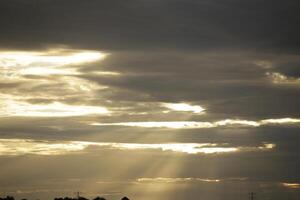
252	195
77	194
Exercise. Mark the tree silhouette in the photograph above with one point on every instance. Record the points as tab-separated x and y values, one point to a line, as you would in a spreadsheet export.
99	198
82	198
7	198
64	198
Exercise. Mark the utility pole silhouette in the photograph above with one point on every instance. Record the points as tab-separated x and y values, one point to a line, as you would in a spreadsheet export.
251	195
78	194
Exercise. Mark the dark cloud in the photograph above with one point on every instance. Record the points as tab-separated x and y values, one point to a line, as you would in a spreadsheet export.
232	84
142	24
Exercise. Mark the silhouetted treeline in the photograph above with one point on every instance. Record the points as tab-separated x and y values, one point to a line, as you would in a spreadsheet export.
82	198
63	198
7	198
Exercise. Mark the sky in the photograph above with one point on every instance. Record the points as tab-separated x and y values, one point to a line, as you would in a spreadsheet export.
150	99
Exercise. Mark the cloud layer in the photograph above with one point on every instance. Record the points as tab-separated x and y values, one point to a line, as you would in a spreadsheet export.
172	99
14	147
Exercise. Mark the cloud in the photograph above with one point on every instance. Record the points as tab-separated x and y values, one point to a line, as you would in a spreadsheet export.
279	78
280	121
49	58
190	148
292	185
23	147
237	122
195	26
195	124
19	65
174	124
188	179
175	180
184	107
56	109
49	79
13	147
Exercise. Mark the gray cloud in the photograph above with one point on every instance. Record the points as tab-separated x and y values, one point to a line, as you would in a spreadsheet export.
143	24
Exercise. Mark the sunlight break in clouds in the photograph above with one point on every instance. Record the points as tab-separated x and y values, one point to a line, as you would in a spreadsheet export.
195	124
280	121
292	185
190	148
184	107
173	124
12	147
53	58
18	63
279	78
56	109
15	65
